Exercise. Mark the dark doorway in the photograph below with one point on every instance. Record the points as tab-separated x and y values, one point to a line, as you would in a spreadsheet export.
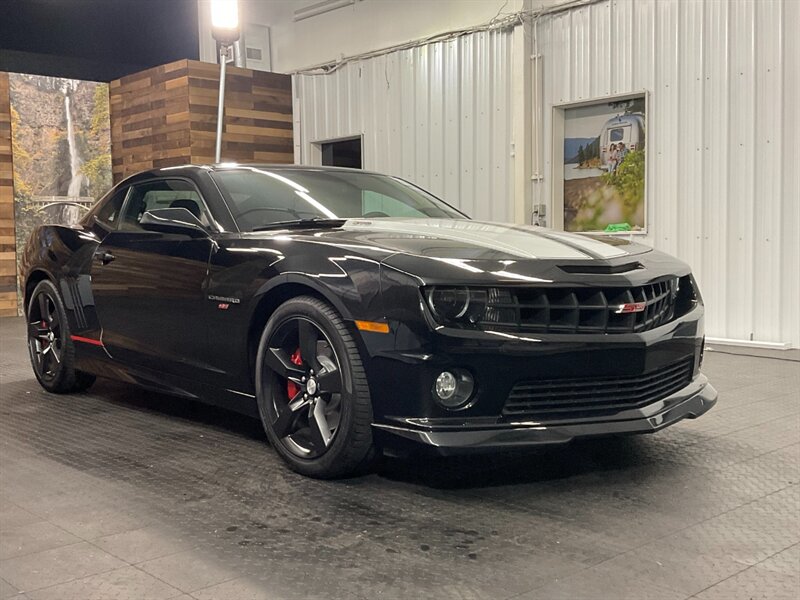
344	153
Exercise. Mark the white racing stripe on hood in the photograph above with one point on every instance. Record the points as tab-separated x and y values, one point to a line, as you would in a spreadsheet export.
591	245
516	240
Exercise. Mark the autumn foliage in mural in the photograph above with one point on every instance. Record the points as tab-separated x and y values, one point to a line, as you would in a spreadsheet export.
61	148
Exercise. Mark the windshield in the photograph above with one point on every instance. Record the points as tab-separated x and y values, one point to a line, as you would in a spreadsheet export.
258	197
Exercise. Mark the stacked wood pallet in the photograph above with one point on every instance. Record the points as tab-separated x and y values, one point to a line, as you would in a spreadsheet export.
167	116
8	263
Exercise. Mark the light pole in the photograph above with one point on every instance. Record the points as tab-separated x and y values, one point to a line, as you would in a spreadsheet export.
225	29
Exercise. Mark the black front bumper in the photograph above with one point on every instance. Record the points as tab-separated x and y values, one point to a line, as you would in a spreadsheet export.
453	436
401	370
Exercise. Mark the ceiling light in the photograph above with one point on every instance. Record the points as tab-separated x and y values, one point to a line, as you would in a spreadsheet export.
225	20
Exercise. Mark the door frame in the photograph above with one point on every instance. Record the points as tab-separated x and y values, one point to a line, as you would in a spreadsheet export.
315	154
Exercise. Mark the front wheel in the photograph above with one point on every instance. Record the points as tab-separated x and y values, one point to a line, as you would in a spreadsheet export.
312	391
49	344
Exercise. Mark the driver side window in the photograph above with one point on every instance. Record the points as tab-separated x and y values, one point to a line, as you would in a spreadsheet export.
164	193
107	214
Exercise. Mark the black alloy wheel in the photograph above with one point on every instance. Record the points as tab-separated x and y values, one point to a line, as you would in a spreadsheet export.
49	344
312	392
307	416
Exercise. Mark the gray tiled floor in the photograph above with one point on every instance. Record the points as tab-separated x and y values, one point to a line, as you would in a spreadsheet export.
120	493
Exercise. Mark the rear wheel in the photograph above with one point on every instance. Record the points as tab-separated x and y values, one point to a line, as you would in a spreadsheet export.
312	391
49	344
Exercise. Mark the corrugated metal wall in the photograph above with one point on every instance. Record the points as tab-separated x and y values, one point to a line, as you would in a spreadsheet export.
723	138
438	115
723	132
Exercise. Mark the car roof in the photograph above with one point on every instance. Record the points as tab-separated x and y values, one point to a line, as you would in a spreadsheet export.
187	170
227	166
184	170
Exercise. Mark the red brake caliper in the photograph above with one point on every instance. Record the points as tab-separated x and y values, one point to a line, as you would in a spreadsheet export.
291	387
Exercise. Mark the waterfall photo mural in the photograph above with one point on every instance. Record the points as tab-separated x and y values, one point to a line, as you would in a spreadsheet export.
61	148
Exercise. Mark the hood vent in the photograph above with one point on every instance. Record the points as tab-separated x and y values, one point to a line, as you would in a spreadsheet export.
602	269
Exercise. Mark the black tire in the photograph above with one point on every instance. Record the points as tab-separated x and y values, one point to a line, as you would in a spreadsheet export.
51	349
348	449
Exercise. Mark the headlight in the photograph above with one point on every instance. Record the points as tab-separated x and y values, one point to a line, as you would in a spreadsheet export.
687	295
459	304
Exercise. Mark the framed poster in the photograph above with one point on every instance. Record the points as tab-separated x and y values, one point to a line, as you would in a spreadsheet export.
601	163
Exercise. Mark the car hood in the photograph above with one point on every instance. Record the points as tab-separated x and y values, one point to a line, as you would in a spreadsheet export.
466	251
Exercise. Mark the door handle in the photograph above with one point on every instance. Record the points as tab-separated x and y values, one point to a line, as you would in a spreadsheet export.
104	256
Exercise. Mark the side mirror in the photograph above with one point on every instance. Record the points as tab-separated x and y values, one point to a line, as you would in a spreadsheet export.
173	220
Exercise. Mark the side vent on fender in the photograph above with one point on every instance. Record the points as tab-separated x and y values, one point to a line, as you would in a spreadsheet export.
74	301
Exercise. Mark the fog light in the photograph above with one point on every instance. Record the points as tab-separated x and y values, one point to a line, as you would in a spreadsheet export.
453	389
446	386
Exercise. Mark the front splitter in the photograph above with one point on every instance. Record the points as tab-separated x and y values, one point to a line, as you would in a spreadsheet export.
485	439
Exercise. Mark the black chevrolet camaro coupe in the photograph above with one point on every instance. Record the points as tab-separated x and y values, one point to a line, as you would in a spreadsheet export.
354	313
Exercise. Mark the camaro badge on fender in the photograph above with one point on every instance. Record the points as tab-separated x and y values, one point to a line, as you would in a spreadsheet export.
227	300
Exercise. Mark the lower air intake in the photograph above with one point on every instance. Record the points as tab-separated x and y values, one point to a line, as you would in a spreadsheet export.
596	396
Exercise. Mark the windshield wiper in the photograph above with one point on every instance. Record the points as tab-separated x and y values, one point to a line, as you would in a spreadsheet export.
313	222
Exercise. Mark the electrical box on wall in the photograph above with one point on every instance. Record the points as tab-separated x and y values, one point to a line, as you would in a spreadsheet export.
539	215
256	47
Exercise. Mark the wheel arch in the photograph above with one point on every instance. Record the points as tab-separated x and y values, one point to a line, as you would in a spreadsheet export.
35	277
271	296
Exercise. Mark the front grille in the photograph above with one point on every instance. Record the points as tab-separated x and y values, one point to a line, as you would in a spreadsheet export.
582	310
595	396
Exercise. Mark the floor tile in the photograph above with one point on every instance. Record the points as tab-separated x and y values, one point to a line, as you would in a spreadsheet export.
597	584
241	589
33	537
139	545
7	590
754	583
12	515
126	583
50	567
188	571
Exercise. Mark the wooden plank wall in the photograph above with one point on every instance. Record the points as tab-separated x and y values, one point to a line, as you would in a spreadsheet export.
258	115
150	119
167	116
8	262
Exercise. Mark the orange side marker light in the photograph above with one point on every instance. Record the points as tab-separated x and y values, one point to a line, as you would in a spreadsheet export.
373	326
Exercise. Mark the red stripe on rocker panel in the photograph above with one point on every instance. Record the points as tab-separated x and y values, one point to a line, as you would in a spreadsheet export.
85	340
